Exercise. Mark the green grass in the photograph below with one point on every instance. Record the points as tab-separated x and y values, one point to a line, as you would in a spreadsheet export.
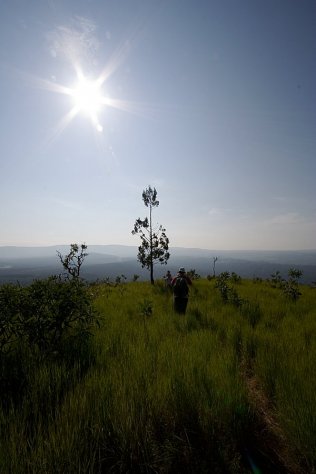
167	393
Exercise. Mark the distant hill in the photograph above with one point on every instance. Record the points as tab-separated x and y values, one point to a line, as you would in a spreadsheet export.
23	264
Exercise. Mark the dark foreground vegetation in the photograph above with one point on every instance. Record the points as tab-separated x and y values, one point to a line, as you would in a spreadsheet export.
106	378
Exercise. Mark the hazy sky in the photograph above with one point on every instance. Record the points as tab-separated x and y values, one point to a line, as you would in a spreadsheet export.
213	102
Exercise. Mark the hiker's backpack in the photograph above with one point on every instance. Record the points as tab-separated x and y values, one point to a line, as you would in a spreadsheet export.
181	288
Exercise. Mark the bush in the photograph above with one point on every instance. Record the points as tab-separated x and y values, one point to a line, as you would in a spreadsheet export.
290	287
235	278
54	310
45	313
193	274
49	320
222	286
10	303
228	293
276	279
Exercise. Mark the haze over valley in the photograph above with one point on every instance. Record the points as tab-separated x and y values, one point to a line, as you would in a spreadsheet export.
23	264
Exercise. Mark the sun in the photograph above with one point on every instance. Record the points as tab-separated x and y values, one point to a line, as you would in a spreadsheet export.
88	98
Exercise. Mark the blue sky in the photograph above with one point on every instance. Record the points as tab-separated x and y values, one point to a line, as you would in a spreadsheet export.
217	111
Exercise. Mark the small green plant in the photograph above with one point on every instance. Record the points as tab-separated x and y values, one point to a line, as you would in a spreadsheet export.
146	311
276	279
291	286
235	278
234	298
146	308
228	293
120	279
193	274
295	274
222	285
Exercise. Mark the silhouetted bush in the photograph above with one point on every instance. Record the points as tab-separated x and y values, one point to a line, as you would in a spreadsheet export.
10	303
45	313
50	319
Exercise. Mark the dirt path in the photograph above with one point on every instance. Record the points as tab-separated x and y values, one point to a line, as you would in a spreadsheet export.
270	444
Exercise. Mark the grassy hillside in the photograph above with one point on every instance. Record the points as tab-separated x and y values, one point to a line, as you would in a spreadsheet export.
228	388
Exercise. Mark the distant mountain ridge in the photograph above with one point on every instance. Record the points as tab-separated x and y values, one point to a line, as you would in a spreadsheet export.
23	264
129	251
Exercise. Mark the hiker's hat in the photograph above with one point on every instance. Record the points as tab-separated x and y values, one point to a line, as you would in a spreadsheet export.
181	270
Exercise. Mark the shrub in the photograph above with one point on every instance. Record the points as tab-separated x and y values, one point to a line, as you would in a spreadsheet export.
222	286
235	278
276	279
193	275
73	261
10	296
290	287
146	308
228	293
45	313
120	279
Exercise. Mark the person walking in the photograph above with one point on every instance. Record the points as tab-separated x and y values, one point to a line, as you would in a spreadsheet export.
180	285
168	279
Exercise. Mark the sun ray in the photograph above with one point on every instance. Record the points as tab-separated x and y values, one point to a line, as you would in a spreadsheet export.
115	61
45	84
120	54
96	123
54	87
136	108
63	124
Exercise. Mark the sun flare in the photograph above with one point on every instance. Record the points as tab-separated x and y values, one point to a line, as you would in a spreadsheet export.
88	99
87	96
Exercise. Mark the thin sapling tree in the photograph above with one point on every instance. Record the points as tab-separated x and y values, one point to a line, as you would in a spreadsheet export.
73	261
154	241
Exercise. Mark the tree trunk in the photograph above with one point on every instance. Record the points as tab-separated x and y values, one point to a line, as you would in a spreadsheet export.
151	249
152	274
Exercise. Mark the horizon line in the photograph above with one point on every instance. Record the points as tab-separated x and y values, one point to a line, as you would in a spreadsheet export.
173	246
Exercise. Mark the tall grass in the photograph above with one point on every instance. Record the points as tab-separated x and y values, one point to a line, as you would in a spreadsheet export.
167	393
285	363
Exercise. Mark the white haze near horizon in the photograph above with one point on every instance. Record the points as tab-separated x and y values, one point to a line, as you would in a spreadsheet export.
216	110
